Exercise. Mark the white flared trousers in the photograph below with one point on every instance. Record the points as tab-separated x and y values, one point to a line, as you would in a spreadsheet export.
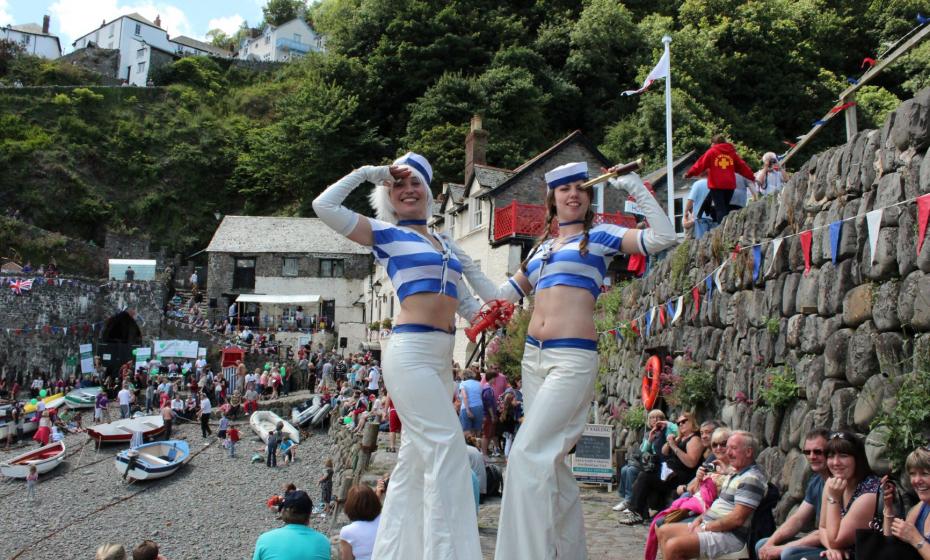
429	510
541	515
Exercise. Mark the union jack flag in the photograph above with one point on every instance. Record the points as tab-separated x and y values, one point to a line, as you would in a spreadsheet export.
20	285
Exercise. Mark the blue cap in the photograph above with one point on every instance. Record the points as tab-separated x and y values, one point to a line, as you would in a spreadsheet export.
568	173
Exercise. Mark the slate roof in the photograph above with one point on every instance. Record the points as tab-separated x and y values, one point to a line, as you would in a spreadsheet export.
200	45
31	28
273	234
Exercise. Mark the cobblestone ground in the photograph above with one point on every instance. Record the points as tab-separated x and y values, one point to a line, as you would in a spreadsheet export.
607	538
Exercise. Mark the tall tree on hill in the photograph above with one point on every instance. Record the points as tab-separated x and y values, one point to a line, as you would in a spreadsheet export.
277	12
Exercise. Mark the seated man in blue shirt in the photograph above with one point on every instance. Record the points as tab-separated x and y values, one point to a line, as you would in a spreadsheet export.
784	544
294	541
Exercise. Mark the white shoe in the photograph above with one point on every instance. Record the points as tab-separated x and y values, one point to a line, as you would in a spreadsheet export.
621	506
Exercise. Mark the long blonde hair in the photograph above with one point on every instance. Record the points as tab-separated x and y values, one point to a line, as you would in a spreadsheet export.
551	215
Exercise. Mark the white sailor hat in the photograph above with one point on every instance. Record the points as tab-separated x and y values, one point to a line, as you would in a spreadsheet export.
418	164
568	173
380	197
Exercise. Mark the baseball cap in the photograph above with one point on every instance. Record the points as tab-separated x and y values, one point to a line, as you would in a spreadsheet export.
298	501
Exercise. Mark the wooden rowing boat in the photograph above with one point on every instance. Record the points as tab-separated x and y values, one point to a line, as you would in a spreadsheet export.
153	460
122	430
44	459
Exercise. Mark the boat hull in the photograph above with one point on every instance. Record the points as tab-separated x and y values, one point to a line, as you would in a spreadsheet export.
122	430
44	459
264	421
150	464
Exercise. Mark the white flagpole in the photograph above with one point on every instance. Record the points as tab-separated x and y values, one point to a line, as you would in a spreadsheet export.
669	172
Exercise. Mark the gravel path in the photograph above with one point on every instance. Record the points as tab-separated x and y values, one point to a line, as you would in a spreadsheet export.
213	508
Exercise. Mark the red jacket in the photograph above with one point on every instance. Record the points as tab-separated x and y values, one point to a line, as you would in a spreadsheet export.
722	164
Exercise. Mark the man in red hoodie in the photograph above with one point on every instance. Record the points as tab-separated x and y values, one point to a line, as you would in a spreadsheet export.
721	163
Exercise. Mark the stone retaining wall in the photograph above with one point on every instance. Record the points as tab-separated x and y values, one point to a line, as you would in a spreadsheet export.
848	330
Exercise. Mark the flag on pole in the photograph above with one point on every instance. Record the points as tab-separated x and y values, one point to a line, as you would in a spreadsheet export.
19	286
659	72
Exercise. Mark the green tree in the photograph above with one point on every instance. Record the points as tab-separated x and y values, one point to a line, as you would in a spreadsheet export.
276	12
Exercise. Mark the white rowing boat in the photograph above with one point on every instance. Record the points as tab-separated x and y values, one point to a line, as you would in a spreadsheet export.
43	459
264	421
153	460
85	397
122	430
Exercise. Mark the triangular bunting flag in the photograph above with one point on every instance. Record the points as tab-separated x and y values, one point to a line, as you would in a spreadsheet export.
874	220
756	262
776	243
648	319
634	327
923	212
717	277
735	252
836	228
678	308
662	315
670	310
709	286
806	238
696	296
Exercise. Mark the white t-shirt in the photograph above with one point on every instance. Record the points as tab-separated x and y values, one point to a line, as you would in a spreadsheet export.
361	537
125	397
476	462
205	406
375	376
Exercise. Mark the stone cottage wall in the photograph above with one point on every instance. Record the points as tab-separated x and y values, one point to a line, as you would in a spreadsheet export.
848	331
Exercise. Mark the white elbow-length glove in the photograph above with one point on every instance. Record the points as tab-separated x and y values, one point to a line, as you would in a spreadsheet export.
661	233
509	290
328	206
468	306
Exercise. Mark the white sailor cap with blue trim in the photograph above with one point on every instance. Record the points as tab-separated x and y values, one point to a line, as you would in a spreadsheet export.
568	173
418	165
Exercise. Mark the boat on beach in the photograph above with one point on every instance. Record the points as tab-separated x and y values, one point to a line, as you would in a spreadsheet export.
153	460
122	430
44	459
53	401
264	421
305	416
85	397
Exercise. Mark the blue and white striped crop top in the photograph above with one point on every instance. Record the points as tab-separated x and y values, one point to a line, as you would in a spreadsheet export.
413	263
567	267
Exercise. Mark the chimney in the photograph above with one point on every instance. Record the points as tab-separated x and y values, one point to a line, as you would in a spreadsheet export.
158	20
476	147
45	23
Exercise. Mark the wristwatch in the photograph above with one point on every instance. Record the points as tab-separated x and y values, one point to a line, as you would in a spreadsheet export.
919	544
831	500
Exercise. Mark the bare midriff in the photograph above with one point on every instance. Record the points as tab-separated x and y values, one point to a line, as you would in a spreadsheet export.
435	310
563	312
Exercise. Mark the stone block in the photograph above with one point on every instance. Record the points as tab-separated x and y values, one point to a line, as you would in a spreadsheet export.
885	263
849	233
795	328
911	125
921	318
923	186
789	294
794	425
841	404
907	246
922	352
892	351
854	177
794	476
795	255
861	361
818	247
885	307
827	389
773	295
810	375
778	266
857	305
907	296
806	301
911	174
890	191
771	460
867	169
869	402
876	450
757	426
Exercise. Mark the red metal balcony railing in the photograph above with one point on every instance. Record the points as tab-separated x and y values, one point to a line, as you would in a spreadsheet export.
528	220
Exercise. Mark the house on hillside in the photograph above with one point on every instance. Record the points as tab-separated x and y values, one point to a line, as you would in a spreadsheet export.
281	263
35	39
143	45
281	43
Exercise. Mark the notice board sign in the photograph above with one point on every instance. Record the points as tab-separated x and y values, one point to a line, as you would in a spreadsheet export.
592	461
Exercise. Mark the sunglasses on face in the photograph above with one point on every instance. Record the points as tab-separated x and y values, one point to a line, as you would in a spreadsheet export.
719	444
681	421
813	452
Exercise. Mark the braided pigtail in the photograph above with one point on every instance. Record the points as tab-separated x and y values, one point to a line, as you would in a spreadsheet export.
588	222
550	215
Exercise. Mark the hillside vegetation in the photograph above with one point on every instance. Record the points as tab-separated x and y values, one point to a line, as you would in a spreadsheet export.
408	74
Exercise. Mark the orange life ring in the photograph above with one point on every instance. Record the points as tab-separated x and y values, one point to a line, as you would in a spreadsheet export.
650	388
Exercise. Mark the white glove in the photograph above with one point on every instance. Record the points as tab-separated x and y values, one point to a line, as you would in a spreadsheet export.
484	287
328	206
661	233
468	305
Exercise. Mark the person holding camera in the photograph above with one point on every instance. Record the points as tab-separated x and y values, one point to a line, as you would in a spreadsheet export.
915	528
644	457
771	178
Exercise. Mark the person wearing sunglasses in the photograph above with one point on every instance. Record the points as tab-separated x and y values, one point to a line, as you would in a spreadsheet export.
681	456
786	543
849	495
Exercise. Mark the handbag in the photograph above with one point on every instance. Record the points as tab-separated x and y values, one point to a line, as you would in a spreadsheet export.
872	544
649	462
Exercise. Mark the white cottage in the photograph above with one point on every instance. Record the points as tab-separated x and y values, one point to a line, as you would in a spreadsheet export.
35	39
282	43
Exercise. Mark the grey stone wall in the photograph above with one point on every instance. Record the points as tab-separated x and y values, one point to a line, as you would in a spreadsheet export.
78	304
848	331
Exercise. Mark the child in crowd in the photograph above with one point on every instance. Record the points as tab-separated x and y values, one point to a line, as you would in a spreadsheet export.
326	486
287	448
232	437
224	425
31	480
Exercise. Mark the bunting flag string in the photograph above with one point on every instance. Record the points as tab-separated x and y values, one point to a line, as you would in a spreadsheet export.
846	105
46	329
712	280
662	315
806	238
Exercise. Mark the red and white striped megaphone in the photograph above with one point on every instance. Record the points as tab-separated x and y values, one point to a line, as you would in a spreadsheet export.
495	313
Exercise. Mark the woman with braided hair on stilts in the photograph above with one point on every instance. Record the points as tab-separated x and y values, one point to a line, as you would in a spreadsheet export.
541	515
426	513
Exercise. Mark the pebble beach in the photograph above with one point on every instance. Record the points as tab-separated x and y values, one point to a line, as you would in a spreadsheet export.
212	508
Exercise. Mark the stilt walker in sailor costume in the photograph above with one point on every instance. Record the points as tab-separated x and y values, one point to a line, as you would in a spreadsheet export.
541	515
428	511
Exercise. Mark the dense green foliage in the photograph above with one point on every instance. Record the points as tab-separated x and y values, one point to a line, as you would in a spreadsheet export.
408	74
779	390
907	423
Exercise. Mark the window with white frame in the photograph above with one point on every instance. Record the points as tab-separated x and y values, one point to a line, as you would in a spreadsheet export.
267	39
451	228
597	203
680	203
110	30
26	40
475	211
290	267
296	37
141	69
140	54
138	30
332	268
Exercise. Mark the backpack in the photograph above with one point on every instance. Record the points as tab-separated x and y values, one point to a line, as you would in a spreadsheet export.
762	524
495	480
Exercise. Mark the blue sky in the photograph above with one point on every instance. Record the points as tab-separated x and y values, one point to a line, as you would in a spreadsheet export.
73	18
